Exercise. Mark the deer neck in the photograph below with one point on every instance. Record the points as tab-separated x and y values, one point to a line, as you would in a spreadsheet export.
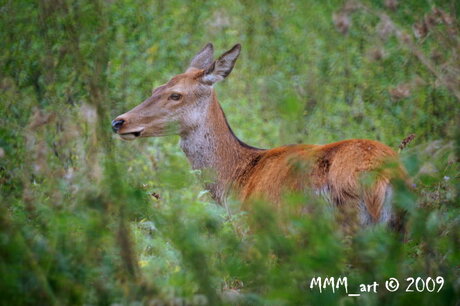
212	147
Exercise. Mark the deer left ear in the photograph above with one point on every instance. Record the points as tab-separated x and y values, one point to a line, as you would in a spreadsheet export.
222	67
203	59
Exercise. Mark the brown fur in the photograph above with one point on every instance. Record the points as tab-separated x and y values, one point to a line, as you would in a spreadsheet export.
350	172
337	167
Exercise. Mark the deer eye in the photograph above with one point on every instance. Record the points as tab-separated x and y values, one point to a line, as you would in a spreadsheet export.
175	96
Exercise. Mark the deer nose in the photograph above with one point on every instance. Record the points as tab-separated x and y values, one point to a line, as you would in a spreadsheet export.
116	125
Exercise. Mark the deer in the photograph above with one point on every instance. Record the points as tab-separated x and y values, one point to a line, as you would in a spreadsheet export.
187	106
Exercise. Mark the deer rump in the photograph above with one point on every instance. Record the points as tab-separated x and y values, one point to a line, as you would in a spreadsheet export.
353	175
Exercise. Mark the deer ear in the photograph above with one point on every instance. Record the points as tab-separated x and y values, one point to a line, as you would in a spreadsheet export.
222	67
204	58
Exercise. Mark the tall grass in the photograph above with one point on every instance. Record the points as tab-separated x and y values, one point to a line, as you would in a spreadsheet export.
81	221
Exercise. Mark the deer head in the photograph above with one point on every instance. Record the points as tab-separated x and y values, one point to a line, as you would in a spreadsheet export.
179	105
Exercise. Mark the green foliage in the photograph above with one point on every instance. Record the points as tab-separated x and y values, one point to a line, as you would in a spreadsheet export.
79	222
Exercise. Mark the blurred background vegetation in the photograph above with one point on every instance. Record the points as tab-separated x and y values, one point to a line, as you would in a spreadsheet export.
86	218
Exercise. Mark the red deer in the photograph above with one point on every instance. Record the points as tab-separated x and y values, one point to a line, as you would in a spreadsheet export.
187	106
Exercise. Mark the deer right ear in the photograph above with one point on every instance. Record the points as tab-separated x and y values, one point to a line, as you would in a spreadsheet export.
204	58
222	67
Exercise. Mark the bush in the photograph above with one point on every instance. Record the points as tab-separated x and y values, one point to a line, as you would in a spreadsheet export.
81	222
